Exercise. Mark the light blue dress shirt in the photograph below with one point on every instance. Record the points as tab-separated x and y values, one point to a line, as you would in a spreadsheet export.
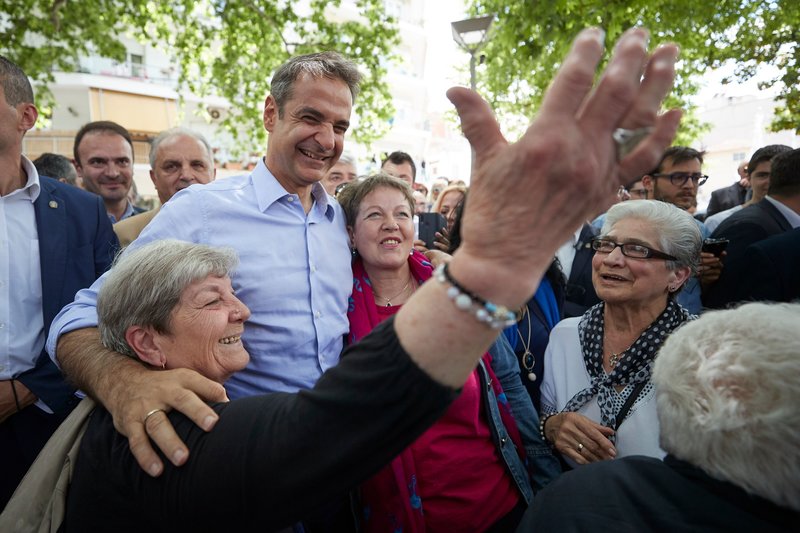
294	274
21	319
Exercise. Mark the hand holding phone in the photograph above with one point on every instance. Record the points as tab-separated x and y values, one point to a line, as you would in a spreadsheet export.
715	246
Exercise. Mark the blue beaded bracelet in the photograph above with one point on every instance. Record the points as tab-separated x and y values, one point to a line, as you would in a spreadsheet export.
493	315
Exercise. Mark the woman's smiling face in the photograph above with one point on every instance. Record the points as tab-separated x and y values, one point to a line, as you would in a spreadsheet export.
205	330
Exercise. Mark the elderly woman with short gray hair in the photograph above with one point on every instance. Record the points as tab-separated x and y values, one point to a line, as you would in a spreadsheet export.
271	458
597	367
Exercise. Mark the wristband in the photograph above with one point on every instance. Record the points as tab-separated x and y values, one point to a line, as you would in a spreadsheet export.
493	315
16	398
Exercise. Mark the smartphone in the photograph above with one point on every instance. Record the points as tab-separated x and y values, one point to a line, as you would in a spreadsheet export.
715	246
429	224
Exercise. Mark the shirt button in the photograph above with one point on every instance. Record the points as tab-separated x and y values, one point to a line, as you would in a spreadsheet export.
2	325
290	199
313	268
317	314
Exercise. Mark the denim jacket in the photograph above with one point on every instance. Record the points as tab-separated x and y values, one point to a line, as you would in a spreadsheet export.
542	467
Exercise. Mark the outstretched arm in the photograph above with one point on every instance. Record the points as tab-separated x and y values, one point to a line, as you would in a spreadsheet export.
564	169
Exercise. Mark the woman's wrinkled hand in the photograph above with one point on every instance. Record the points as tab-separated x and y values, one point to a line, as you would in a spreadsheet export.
582	440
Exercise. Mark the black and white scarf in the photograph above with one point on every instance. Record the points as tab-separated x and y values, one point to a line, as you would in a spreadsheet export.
635	364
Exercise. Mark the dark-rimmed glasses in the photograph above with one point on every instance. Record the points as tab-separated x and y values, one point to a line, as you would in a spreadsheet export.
629	249
679	178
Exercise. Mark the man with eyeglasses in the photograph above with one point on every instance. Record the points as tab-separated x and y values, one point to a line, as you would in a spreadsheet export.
676	180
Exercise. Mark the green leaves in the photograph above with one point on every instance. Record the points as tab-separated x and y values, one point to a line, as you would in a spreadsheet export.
531	37
227	48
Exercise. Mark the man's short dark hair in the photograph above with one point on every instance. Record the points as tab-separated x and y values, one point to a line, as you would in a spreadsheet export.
398	158
331	65
785	173
677	155
15	83
765	153
100	126
55	166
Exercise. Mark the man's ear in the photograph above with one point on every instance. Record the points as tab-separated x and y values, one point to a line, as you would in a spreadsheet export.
144	344
270	113
28	115
648	182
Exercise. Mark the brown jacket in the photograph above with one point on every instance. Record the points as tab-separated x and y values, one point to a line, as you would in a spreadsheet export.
127	230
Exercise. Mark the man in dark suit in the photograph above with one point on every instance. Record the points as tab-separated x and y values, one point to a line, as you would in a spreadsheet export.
772	267
778	212
731	196
575	257
55	239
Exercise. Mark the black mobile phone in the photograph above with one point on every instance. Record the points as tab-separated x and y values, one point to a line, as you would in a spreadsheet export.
715	246
429	224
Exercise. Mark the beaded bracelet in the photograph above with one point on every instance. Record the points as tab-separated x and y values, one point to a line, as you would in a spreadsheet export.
542	422
495	316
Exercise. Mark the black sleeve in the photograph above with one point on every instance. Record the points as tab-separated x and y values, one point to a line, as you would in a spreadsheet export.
273	458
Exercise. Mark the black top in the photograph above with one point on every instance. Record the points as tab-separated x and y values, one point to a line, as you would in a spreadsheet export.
640	494
270	459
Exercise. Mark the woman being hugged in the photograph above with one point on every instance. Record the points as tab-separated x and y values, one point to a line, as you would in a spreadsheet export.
468	472
597	367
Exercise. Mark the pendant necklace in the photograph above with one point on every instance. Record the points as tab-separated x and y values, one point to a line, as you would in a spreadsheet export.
615	357
527	359
389	300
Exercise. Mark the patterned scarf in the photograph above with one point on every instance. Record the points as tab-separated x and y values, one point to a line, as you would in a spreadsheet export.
635	364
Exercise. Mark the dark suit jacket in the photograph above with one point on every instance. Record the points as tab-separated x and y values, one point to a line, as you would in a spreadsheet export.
580	294
76	245
725	198
752	224
772	267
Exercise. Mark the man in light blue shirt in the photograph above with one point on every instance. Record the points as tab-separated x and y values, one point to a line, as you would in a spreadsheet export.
294	271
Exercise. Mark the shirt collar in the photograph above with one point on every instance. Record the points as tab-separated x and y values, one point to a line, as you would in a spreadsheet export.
32	187
269	191
128	212
791	217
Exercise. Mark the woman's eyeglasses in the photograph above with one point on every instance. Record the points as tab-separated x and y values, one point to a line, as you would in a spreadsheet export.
629	249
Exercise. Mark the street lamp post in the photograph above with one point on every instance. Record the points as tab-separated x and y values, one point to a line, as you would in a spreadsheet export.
472	35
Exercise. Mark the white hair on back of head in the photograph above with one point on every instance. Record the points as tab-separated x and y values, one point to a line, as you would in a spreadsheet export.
728	393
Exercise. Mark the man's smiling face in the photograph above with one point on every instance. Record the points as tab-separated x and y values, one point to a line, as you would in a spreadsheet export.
307	137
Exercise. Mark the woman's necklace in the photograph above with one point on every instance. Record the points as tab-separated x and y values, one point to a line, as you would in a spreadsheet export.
527	359
389	300
615	357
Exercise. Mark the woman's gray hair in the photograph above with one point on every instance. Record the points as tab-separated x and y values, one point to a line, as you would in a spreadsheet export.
727	389
145	284
679	234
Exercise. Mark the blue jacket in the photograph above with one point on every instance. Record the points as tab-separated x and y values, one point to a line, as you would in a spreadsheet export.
76	245
542	467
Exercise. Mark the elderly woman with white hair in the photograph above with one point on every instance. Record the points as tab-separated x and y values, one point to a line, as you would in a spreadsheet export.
597	400
727	389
